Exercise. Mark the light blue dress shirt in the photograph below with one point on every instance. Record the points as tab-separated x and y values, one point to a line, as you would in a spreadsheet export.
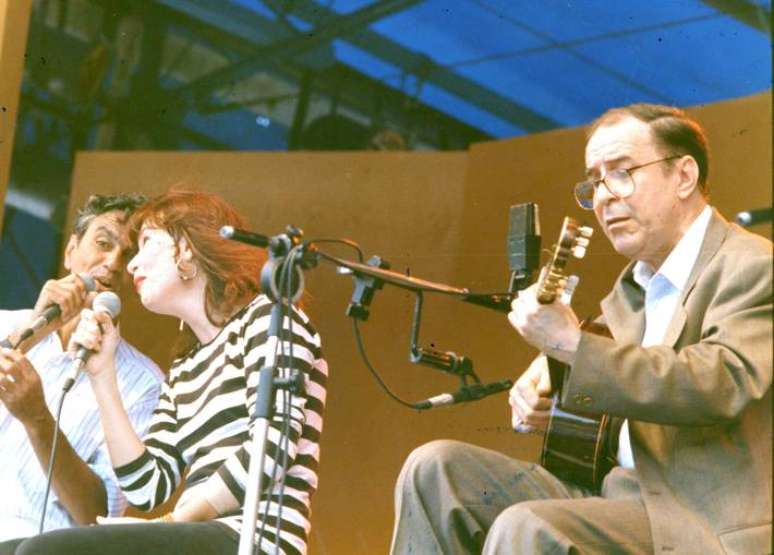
22	479
662	294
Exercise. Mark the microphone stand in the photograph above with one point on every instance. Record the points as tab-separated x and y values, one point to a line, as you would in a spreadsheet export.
272	275
368	278
500	302
375	273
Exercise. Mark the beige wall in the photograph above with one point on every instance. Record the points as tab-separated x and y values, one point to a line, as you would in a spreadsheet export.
14	21
443	217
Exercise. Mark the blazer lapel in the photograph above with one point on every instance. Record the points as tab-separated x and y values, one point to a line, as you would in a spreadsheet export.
713	238
624	310
675	326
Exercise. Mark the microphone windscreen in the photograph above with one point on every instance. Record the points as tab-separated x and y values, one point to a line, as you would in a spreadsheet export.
107	301
89	282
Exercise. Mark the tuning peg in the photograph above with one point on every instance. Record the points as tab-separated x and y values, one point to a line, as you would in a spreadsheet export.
582	241
569	288
579	251
586	231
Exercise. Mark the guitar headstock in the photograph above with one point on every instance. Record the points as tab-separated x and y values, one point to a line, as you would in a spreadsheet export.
573	241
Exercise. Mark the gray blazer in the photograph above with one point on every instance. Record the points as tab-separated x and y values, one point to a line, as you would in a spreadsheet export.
700	404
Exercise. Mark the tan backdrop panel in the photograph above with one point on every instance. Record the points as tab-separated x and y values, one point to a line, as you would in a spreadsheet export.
439	216
14	21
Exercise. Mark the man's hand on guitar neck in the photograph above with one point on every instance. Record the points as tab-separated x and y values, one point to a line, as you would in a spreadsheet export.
530	398
552	328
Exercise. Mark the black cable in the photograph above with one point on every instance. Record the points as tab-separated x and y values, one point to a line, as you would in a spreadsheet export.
273	476
52	456
361	349
284	444
358	338
286	395
286	279
285	290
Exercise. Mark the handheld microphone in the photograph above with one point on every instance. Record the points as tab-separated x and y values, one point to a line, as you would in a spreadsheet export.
108	302
466	393
51	313
754	217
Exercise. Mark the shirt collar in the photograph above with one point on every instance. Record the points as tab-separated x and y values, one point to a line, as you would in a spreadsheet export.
678	265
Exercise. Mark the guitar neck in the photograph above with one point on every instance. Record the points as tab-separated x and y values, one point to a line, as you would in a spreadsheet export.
554	281
556	371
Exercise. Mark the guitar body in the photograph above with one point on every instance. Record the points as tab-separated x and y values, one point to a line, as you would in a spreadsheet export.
577	446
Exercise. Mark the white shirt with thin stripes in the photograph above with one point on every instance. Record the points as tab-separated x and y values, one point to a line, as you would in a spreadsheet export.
22	479
662	293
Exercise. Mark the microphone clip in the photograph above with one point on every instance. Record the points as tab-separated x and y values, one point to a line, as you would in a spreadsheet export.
365	287
445	361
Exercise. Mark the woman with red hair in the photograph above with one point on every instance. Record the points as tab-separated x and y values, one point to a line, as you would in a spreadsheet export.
201	432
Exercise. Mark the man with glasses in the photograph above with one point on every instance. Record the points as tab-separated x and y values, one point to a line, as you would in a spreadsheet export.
687	376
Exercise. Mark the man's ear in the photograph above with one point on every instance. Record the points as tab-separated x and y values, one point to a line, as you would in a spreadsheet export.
71	244
688	172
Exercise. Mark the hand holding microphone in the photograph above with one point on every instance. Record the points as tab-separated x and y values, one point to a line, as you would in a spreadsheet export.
95	334
59	300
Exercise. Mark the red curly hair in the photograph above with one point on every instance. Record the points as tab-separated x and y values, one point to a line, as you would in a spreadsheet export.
232	269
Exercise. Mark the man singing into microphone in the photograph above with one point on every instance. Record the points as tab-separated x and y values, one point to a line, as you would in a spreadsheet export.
31	378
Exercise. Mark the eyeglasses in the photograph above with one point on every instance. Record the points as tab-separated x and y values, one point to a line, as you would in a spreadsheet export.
618	182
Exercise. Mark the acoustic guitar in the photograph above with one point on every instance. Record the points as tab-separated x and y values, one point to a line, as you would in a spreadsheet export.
576	445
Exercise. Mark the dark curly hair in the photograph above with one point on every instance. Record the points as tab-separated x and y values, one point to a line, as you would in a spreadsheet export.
100	204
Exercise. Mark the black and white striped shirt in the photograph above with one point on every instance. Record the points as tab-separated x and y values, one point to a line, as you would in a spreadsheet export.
203	425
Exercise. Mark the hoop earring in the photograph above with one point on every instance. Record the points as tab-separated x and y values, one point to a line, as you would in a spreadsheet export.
182	273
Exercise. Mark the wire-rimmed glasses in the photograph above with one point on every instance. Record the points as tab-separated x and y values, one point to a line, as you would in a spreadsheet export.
618	182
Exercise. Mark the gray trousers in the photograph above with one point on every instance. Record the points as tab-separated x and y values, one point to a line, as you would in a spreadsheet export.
453	498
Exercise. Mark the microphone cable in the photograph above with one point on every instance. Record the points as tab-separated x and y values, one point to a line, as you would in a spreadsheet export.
359	338
356	331
286	292
52	456
287	396
106	301
374	373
